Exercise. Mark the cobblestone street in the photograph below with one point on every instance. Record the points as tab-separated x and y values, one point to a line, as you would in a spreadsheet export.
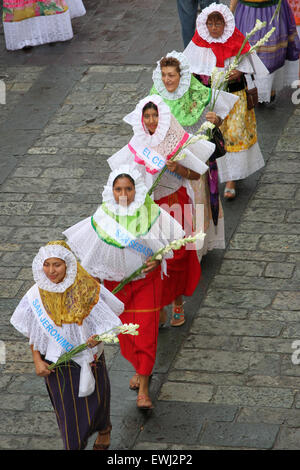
224	380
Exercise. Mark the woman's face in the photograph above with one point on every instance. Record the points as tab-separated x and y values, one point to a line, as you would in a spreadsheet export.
124	191
150	119
170	77
55	269
215	28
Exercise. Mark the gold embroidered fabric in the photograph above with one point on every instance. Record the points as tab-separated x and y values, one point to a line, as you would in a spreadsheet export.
76	302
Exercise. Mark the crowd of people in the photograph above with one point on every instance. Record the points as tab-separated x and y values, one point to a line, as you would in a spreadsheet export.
150	200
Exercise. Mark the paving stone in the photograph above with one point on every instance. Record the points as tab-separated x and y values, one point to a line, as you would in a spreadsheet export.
212	361
9	290
265	345
236	327
243	241
287	301
264	227
13	402
261	215
255	396
251	255
281	243
33	424
261	436
288	438
211	342
213	378
49	443
223	313
181	422
237	298
281	270
269	415
14	442
192	393
28	185
242	268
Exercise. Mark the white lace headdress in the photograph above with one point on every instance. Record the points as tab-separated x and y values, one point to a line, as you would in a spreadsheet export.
185	77
135	119
140	191
228	18
54	251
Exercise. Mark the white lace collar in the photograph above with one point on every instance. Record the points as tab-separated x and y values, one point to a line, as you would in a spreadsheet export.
54	251
135	119
185	78
140	191
228	18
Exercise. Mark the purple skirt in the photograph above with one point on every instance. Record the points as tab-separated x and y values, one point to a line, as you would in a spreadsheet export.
284	44
79	418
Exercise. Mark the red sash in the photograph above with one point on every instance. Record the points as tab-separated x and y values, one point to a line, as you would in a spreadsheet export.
224	51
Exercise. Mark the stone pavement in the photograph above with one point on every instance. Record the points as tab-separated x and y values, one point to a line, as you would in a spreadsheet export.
225	380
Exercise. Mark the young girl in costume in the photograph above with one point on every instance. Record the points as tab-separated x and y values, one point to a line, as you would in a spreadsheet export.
281	53
189	101
29	23
119	238
157	136
67	307
216	42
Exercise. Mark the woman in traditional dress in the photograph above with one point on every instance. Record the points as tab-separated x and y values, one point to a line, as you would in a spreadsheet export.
29	23
295	6
281	53
64	309
125	231
215	44
189	101
157	137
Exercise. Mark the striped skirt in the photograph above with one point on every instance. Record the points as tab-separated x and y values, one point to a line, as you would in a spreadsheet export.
79	418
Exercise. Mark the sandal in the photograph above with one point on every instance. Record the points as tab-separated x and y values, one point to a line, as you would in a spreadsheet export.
100	446
143	402
177	315
134	383
230	191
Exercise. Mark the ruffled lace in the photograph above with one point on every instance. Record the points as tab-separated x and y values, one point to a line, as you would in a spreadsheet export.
102	318
76	8
135	119
54	251
228	18
38	30
185	78
111	263
140	191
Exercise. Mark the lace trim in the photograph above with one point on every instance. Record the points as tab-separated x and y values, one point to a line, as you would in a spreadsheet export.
103	317
140	191
228	18
54	251
76	8
135	119
38	30
185	78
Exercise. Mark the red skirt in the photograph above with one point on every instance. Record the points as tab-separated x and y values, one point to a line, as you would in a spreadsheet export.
183	269
142	300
